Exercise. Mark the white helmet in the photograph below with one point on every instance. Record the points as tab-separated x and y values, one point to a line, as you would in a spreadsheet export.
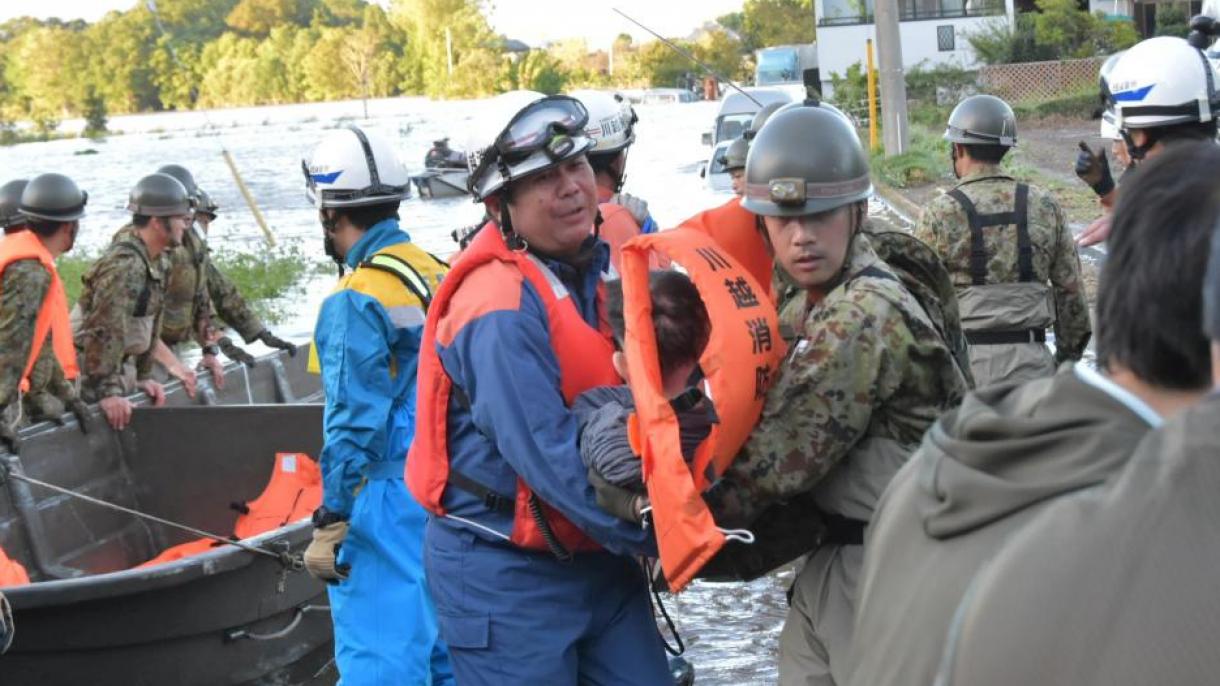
1163	81
520	133
611	120
1109	119
352	167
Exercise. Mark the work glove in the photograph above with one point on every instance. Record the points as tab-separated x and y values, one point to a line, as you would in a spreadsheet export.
231	351
8	437
617	500
636	206
271	341
45	407
322	552
80	409
1094	169
7	630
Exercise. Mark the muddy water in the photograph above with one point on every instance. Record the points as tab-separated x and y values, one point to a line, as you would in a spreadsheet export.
731	630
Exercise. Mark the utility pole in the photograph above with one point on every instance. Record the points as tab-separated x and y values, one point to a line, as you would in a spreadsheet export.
894	128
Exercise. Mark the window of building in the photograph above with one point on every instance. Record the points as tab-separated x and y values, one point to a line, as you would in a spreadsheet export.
945	38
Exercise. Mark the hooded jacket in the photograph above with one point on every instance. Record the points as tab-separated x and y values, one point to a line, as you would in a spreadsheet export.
982	472
1123	575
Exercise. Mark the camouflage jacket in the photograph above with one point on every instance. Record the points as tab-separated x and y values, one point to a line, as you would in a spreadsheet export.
944	227
124	283
23	288
866	364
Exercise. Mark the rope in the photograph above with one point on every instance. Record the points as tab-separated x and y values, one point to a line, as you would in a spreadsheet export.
296	621
650	568
290	561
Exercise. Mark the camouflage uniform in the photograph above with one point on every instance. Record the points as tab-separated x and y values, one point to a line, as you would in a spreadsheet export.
118	317
1002	304
866	376
23	288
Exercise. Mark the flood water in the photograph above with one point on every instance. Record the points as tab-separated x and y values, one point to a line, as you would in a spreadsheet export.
731	630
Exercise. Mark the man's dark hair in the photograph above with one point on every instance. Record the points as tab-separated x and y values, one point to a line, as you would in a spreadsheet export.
988	154
1149	305
140	220
679	317
365	216
44	227
1193	131
601	162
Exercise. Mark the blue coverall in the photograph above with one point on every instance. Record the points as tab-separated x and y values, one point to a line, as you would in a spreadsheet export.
385	625
510	615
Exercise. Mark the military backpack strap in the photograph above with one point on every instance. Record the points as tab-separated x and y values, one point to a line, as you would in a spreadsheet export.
146	293
978	255
410	277
1025	247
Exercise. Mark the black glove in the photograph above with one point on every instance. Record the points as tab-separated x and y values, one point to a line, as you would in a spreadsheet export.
617	500
8	438
271	341
233	352
80	409
1094	169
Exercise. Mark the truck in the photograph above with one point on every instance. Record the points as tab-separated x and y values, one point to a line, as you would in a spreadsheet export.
788	67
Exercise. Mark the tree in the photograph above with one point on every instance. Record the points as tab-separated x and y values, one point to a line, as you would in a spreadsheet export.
538	71
477	62
95	114
1171	20
776	22
722	52
258	17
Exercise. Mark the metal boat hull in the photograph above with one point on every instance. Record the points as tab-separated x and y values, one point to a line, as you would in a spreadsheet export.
441	183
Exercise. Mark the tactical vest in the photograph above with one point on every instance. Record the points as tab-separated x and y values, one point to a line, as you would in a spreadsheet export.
584	356
742	356
1005	323
52	314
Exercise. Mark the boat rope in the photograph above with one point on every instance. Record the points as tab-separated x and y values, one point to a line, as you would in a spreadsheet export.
291	561
296	621
650	569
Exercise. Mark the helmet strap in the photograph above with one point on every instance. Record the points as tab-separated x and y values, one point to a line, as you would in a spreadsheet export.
1138	152
511	239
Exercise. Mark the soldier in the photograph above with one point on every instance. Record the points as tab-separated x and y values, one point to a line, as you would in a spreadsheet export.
1003	243
867	374
118	318
734	162
37	360
1116	585
10	197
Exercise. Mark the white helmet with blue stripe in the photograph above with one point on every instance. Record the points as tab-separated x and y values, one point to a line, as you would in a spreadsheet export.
1163	81
353	167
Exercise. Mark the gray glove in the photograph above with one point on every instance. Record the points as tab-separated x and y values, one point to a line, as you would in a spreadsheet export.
636	206
80	409
8	438
233	352
618	501
272	341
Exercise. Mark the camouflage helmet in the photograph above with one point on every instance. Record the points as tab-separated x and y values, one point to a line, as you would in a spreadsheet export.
184	177
52	197
805	161
760	118
206	205
10	198
159	195
734	156
982	120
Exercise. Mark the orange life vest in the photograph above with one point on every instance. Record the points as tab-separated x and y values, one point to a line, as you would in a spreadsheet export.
743	355
584	355
619	226
11	571
52	315
293	493
735	229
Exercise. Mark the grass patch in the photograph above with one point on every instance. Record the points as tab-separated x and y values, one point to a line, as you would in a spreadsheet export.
925	161
267	279
1079	104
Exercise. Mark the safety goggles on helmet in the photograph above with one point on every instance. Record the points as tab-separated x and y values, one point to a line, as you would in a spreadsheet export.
553	125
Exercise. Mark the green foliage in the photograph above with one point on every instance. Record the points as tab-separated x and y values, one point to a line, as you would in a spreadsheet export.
538	71
850	89
1171	20
765	23
926	160
1080	105
1059	31
95	114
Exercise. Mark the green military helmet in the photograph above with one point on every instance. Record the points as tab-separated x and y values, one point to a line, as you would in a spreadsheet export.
734	156
184	177
760	118
205	204
10	198
53	197
159	195
805	161
982	120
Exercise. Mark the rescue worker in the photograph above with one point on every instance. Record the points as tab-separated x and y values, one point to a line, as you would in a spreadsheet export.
1116	585
1093	167
10	197
532	581
734	162
611	126
37	358
1164	93
368	534
117	320
867	374
441	156
195	287
1009	252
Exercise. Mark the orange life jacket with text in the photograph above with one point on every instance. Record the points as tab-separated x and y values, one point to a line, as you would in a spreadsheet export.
52	315
584	355
11	571
742	356
735	229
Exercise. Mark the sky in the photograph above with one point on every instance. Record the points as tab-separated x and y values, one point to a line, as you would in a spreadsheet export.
533	21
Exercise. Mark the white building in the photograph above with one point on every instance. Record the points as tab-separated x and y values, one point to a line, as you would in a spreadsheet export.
933	31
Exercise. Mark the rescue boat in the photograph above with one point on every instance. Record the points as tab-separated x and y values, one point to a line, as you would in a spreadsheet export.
91	614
